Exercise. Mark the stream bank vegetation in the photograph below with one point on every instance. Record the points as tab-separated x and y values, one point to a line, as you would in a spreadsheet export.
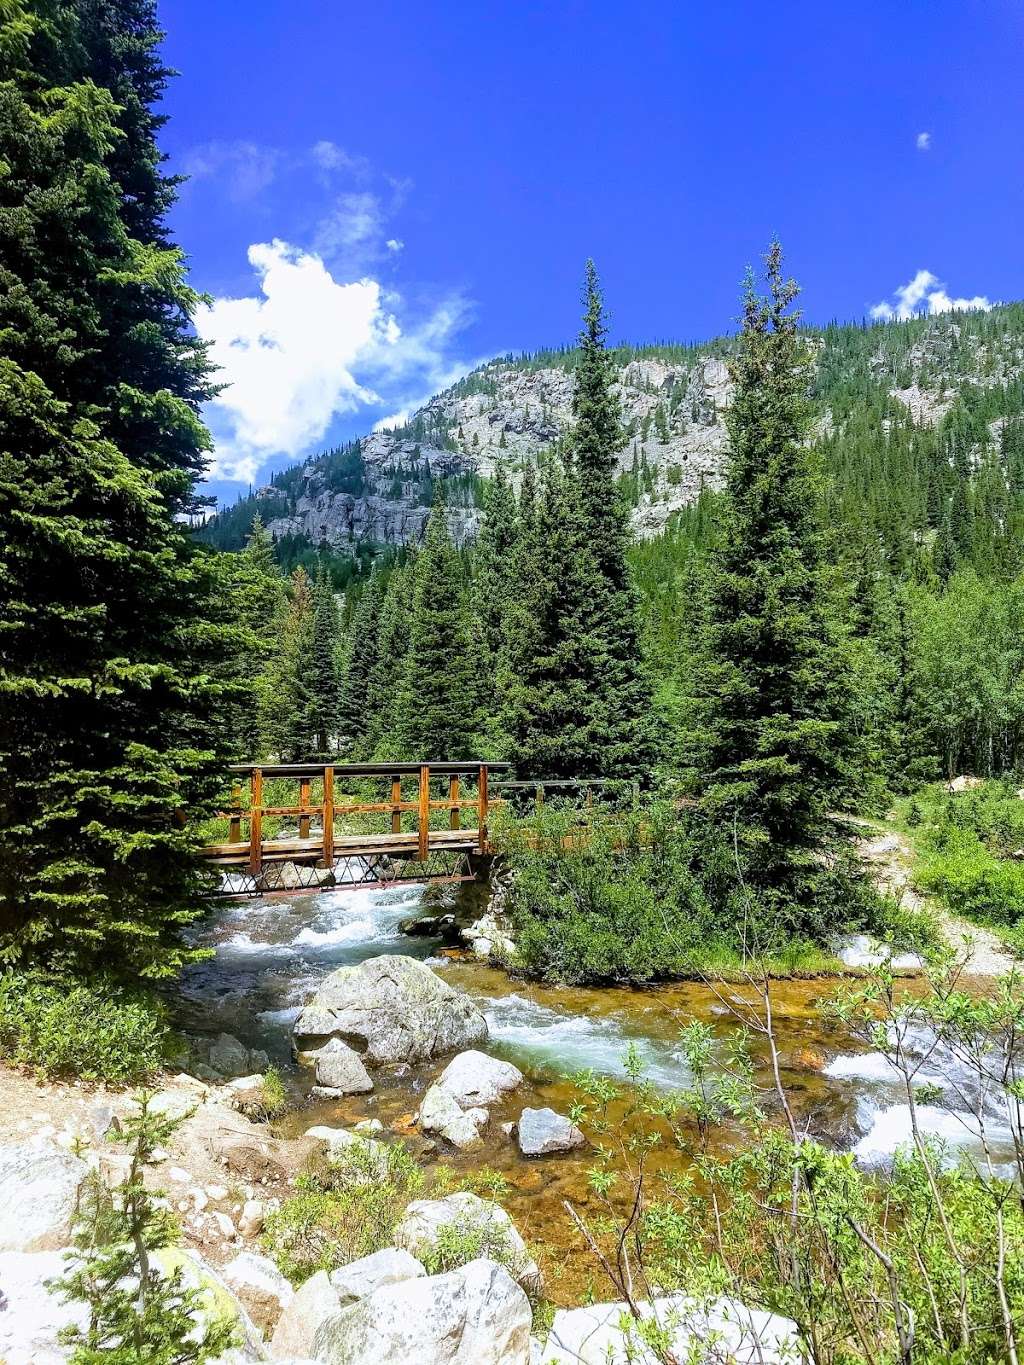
921	1262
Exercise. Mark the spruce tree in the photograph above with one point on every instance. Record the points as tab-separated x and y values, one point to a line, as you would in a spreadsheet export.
383	695
117	666
439	693
780	749
293	711
257	595
354	716
323	661
612	734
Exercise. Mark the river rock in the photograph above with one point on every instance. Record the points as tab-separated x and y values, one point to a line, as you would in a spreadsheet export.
366	1276
339	1068
223	1058
542	1131
39	1189
594	1335
420	1228
472	1078
487	935
441	1113
260	1286
476	1315
314	1302
391	1009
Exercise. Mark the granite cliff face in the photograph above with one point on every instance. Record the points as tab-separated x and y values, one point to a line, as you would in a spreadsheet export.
673	401
506	415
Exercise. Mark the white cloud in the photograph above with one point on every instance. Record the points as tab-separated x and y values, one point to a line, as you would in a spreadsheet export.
925	293
245	169
923	142
395	244
307	349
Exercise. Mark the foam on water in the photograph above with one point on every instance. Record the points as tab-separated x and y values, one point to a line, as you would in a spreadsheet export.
539	1036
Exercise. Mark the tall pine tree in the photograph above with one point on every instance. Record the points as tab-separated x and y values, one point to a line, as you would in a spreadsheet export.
780	748
323	661
115	667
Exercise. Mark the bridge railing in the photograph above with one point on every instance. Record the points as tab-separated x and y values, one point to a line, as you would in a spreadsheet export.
248	843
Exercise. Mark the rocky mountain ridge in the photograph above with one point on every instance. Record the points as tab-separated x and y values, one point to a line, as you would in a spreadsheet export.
673	400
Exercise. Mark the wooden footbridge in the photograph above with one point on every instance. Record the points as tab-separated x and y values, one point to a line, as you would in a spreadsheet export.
274	843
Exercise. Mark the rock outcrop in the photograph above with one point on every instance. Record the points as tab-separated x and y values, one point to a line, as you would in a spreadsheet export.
39	1190
476	1315
390	1009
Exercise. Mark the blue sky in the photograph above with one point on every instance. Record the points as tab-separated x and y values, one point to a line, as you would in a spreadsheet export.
383	194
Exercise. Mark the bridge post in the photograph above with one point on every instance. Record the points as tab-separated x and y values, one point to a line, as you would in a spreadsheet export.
455	819
304	801
482	821
396	805
328	816
423	826
256	822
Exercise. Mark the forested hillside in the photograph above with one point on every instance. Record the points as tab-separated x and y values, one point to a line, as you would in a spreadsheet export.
916	428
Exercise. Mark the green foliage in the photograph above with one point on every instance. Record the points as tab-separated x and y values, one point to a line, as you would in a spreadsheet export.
647	894
116	660
439	688
137	1311
346	1207
774	675
63	1027
918	1262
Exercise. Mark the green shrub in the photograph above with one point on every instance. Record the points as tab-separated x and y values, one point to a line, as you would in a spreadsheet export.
652	894
345	1208
97	1031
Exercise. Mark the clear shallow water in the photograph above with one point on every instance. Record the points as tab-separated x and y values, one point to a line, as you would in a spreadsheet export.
270	954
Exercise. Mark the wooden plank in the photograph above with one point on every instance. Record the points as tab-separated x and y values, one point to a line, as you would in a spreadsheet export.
455	820
256	822
467	768
423	821
396	804
482	820
328	817
304	790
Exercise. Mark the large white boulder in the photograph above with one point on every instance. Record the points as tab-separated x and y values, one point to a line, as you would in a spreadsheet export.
39	1189
314	1302
218	1299
701	1333
426	1223
360	1278
30	1316
476	1315
391	1009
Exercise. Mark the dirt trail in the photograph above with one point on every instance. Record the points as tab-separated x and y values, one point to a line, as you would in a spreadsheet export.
889	859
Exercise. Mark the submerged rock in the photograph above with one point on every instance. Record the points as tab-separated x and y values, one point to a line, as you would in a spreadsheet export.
441	1113
476	1315
723	1329
391	1009
422	1227
39	1189
542	1131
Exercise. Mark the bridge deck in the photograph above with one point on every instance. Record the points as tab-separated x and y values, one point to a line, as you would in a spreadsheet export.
345	846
